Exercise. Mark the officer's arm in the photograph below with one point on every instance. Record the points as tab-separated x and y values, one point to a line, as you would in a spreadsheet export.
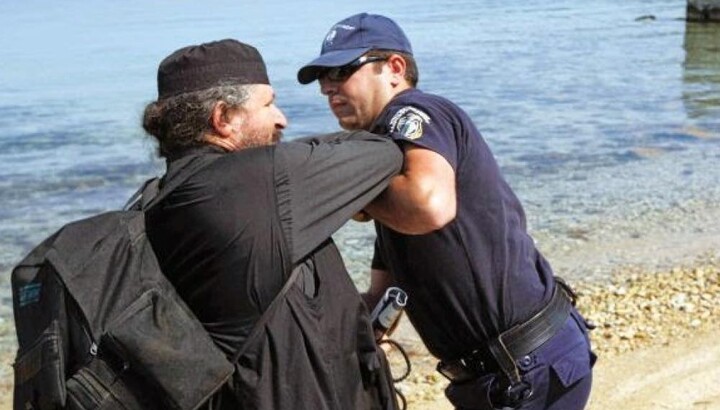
422	198
380	280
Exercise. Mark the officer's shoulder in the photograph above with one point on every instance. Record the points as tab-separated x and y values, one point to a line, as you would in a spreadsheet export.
421	99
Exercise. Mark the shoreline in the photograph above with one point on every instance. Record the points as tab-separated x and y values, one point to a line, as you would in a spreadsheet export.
650	214
653	297
650	241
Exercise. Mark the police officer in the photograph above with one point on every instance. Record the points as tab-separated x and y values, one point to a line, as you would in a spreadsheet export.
245	235
451	232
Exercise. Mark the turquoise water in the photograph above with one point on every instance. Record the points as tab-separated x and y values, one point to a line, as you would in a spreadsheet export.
588	109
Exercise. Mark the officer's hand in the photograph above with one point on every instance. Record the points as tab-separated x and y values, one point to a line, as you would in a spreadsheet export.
362	216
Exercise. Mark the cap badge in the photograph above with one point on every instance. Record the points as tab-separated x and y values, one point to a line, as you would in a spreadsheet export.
330	37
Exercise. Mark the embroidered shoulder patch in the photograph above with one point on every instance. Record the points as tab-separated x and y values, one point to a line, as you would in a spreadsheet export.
408	122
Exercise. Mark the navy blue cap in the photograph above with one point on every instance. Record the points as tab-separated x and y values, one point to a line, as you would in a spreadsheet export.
351	38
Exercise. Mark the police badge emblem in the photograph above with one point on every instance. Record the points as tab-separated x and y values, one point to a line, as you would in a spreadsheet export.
411	126
408	122
333	33
331	36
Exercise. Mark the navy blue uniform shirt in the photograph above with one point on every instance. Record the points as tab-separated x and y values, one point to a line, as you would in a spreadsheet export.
480	274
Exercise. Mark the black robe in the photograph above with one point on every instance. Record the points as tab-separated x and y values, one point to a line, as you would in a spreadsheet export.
228	238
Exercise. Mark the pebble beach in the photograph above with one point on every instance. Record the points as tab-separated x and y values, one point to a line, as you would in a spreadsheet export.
637	312
641	308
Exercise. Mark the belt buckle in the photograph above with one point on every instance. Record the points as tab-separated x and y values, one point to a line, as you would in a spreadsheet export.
464	369
454	371
474	363
517	393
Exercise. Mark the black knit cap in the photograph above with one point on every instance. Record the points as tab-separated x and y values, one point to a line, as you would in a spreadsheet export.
224	62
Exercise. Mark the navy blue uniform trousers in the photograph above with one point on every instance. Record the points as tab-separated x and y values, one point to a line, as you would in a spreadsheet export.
559	373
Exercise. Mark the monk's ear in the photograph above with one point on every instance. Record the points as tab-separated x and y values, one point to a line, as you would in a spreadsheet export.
220	120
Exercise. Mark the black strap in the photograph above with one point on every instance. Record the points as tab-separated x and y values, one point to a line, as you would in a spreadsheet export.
150	192
260	324
501	353
156	189
526	337
149	189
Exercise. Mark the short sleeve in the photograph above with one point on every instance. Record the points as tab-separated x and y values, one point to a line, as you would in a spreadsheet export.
377	261
423	125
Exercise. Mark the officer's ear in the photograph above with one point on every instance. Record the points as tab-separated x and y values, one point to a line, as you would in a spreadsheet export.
397	67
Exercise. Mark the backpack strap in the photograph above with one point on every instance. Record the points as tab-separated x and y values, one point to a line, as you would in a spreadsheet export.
266	316
149	189
156	189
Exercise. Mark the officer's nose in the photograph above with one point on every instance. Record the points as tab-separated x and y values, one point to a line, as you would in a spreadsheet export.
327	87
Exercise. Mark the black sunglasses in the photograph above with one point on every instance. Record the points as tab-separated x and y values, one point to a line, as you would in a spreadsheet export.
344	72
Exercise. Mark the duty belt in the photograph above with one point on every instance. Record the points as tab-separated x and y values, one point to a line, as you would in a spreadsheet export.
502	353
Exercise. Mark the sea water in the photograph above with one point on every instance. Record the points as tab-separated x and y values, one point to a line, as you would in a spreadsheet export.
594	110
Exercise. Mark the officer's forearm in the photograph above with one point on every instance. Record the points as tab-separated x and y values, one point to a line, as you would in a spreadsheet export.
380	280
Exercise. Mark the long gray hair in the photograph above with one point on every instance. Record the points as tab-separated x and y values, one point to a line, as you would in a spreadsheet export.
182	121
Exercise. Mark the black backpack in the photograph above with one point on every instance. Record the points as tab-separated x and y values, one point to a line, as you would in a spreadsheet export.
100	327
